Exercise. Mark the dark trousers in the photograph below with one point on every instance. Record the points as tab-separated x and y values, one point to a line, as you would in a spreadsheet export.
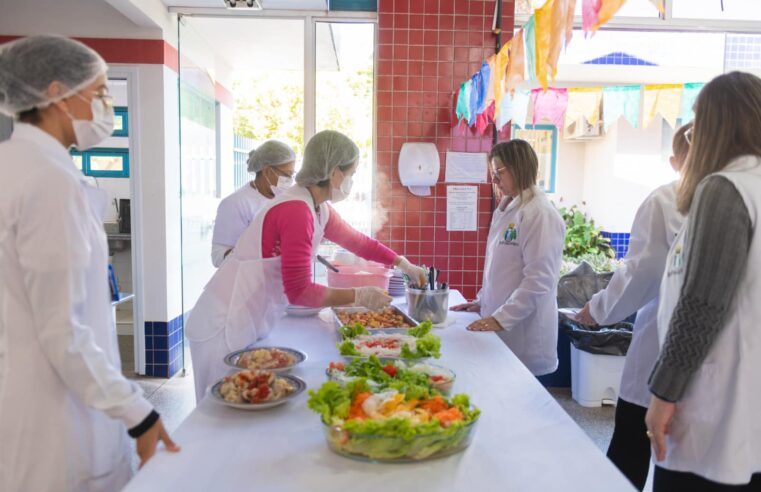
672	481
629	448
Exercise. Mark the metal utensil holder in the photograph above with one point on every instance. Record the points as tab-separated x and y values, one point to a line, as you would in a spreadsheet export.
430	305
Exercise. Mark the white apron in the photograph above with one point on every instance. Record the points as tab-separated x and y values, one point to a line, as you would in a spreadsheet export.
52	440
635	287
245	299
716	432
521	272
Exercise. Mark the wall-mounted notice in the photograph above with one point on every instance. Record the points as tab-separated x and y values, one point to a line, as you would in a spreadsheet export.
466	167
462	208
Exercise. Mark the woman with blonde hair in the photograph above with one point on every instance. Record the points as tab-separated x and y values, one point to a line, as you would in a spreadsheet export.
703	419
522	268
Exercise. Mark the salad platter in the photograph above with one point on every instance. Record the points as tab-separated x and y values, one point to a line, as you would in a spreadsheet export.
380	373
406	423
417	343
387	320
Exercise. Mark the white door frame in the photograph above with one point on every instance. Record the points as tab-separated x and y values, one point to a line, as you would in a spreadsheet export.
131	75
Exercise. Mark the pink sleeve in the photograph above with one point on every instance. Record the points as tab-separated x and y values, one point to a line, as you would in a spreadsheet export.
287	232
341	233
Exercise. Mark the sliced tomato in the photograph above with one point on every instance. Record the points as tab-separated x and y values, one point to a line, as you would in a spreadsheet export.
390	369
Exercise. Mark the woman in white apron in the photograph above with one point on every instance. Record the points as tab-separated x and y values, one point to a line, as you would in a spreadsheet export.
271	264
523	254
704	419
64	405
274	164
634	288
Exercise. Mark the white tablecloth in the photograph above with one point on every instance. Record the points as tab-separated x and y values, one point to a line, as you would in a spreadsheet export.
524	440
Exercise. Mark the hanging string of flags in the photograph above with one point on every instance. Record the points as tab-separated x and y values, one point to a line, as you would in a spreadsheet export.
565	106
491	96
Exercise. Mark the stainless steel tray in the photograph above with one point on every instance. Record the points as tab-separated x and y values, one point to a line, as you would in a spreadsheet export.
389	329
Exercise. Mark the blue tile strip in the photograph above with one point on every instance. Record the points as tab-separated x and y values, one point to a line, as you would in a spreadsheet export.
163	347
619	241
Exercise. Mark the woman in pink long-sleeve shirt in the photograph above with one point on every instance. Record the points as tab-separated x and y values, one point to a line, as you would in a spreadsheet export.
271	264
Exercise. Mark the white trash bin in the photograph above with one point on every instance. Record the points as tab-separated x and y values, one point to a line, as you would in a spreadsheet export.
595	379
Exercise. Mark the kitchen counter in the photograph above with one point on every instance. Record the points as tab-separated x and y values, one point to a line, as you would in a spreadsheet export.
523	442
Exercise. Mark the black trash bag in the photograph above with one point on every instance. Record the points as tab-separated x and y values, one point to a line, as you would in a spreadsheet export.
577	287
602	340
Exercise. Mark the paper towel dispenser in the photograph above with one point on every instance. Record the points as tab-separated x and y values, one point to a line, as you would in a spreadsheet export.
419	167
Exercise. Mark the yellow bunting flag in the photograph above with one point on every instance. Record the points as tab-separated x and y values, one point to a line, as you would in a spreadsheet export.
499	74
660	5
569	21
557	35
543	30
608	9
583	103
665	99
516	63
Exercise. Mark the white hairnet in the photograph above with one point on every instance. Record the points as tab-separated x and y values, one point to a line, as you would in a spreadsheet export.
28	66
324	152
270	153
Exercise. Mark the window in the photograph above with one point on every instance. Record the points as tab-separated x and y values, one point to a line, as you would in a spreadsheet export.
121	122
544	141
103	163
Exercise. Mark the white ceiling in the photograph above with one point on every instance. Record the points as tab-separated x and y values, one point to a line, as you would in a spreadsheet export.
267	4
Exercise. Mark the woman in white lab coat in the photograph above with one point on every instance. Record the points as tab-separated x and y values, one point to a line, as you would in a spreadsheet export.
271	264
65	408
274	164
523	254
703	419
634	288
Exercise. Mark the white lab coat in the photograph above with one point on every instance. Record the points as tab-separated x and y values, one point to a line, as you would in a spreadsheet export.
245	298
521	273
234	214
64	403
716	432
634	287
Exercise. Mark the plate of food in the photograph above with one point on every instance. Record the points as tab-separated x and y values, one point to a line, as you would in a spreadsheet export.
302	311
256	390
390	319
274	359
391	425
380	373
416	343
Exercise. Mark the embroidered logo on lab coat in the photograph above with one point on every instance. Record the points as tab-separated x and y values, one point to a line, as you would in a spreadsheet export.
511	236
677	261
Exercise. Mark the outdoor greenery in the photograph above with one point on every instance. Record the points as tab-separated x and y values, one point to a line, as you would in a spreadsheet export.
582	237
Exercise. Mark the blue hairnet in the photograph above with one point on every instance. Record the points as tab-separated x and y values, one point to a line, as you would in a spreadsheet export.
324	152
28	66
270	153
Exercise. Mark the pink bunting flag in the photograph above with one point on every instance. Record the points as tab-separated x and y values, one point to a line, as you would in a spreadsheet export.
549	105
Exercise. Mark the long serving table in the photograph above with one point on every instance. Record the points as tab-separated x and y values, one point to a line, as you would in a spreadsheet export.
524	440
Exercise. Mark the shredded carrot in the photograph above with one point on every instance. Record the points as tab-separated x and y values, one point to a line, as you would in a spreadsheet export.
434	405
446	417
356	412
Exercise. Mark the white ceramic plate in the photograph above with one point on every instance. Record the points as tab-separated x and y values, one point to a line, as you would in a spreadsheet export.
298	384
301	311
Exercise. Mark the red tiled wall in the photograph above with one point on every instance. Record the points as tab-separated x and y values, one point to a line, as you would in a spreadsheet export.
427	48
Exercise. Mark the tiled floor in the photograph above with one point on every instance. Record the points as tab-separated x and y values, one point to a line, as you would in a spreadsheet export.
174	399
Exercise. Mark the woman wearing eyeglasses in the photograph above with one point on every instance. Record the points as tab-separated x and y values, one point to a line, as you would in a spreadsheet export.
274	164
523	255
65	407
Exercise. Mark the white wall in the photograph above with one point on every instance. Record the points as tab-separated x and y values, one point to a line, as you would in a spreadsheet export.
569	177
80	18
622	168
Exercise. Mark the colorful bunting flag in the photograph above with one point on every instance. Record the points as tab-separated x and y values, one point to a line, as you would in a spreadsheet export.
660	5
500	72
689	96
529	40
589	10
608	9
583	103
621	101
664	99
550	105
463	102
516	65
543	30
514	107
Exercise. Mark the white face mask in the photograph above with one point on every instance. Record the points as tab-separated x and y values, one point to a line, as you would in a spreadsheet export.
282	184
341	193
90	133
